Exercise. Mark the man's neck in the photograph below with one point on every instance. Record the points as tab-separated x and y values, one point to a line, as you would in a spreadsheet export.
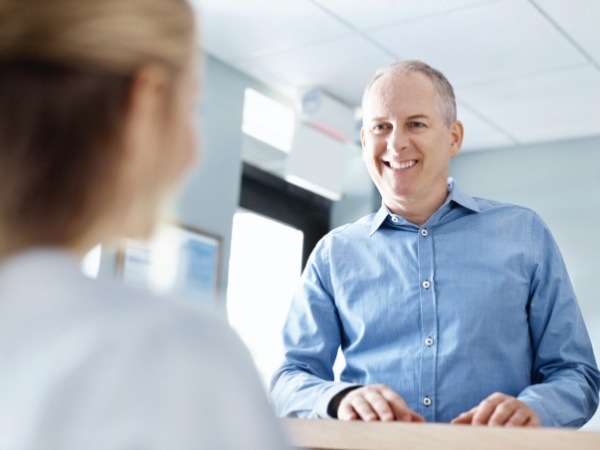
418	211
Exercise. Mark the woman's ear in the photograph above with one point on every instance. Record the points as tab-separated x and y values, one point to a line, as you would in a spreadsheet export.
145	111
142	141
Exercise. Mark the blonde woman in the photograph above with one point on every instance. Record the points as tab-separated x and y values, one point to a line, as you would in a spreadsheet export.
96	128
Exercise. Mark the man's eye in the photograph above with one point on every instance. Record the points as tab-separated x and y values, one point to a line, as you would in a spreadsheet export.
380	127
417	125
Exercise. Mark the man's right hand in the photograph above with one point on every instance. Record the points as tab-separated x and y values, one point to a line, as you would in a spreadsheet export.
377	402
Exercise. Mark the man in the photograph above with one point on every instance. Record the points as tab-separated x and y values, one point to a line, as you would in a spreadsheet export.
447	308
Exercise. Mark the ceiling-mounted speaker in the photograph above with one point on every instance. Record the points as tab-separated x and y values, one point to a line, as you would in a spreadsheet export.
327	114
317	161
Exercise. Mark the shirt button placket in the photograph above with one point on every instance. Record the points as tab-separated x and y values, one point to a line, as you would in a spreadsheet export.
429	322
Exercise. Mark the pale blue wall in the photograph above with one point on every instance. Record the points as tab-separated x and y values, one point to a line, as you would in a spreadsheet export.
210	195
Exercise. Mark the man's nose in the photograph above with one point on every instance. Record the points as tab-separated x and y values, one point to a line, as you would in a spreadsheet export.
397	140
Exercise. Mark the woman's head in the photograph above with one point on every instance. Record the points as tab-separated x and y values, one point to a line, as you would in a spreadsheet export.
93	105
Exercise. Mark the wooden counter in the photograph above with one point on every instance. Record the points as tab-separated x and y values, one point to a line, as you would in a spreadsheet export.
338	435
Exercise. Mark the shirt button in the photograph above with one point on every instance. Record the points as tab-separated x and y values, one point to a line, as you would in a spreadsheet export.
394	219
426	284
429	342
424	232
427	401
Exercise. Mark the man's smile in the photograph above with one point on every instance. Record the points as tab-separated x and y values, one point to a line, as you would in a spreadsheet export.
400	165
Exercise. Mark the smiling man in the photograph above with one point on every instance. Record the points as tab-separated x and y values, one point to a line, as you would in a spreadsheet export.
447	308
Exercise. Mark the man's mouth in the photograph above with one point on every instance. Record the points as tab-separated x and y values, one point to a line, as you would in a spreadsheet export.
400	165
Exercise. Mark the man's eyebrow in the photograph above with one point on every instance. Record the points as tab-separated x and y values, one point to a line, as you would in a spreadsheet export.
417	116
411	117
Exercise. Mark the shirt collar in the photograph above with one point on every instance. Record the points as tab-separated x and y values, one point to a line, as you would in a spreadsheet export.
458	196
455	195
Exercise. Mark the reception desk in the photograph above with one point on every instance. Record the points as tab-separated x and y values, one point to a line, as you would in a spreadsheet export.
338	435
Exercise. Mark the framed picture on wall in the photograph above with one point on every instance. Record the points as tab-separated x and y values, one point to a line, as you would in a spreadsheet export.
179	259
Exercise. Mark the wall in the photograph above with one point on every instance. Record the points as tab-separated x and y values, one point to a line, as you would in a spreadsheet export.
561	182
360	196
210	194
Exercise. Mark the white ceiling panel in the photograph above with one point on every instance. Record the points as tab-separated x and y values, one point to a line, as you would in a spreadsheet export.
580	19
330	66
500	40
550	106
249	28
479	134
522	66
365	15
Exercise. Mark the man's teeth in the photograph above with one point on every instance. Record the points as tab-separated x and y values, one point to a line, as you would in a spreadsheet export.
402	165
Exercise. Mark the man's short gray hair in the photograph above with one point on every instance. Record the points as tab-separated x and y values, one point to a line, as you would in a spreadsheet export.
444	90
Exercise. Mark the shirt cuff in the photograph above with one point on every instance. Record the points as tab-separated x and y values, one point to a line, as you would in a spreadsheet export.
539	408
323	402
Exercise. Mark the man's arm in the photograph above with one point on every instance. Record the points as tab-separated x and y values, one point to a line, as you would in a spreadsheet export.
303	386
565	378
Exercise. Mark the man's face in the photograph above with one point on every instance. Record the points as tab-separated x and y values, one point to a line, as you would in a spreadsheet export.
406	145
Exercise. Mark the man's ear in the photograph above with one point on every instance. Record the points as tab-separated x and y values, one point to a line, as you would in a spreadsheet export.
456	136
362	139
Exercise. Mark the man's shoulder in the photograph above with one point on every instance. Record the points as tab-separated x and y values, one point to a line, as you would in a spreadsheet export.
358	227
345	236
487	205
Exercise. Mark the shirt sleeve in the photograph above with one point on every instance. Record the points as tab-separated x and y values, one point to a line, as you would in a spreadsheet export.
304	384
565	377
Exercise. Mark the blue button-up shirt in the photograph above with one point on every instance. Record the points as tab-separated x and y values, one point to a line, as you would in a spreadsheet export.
476	301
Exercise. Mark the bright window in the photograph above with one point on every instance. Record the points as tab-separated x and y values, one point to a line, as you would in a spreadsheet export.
264	269
268	120
90	265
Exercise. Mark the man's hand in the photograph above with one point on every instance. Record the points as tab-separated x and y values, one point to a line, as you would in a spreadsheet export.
500	410
378	402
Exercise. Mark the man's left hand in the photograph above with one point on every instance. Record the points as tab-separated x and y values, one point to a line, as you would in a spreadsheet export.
500	410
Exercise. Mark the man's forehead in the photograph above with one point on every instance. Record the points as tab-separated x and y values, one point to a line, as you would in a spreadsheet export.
397	82
392	90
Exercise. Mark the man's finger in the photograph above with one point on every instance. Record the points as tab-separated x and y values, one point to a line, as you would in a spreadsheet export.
381	406
361	407
505	411
519	418
397	405
414	417
347	413
464	418
486	408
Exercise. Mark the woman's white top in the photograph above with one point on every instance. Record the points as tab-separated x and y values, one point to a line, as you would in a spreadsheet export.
88	364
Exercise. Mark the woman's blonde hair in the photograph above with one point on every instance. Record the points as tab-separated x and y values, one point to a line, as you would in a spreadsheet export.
66	69
116	36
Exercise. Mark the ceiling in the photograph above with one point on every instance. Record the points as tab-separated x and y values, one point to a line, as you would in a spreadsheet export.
524	71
